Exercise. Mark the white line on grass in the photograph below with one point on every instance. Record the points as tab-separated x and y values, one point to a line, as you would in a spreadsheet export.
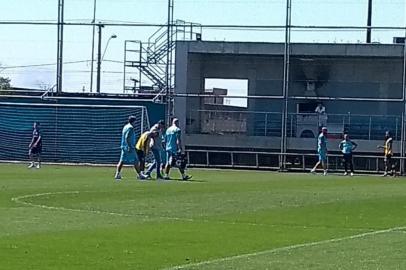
287	248
20	200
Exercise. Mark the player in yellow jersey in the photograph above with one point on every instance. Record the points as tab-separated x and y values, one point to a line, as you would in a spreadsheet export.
143	145
388	153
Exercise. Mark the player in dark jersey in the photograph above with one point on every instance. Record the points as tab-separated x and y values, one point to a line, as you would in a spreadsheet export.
35	147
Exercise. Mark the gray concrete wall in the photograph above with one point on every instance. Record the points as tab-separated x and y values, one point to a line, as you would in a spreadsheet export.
273	143
338	70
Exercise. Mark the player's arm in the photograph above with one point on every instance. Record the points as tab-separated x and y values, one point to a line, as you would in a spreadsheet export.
390	144
146	144
128	139
340	146
179	141
354	145
37	141
31	143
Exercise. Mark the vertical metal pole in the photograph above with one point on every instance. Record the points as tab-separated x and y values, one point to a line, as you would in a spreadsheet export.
168	66
403	130
369	21
59	65
142	120
100	26
92	59
125	69
266	124
369	128
286	65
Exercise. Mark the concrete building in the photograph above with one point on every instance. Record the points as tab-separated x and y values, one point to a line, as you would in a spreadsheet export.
360	85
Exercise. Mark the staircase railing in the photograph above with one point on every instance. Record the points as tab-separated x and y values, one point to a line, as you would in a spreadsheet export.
150	57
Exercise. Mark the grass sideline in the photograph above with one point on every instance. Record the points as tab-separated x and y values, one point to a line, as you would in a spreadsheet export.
63	217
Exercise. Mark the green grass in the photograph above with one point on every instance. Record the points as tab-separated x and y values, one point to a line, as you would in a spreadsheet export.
79	218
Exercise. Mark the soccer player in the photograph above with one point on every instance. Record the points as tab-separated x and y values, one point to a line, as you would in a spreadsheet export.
128	154
142	147
347	146
35	147
157	149
322	151
388	152
173	146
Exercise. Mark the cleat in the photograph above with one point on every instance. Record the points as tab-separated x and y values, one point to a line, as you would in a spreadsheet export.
31	166
117	176
313	171
38	166
186	177
352	174
166	177
159	177
325	173
346	173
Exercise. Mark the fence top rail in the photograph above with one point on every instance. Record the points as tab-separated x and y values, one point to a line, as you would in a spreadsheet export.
70	105
282	154
305	114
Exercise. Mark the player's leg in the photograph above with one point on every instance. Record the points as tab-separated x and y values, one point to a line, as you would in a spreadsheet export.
137	165
32	159
386	165
351	164
119	166
323	158
315	167
169	161
123	158
345	158
38	158
141	159
182	169
156	164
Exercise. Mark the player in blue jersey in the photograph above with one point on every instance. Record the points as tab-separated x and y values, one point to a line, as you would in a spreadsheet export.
322	151
173	148
35	147
157	149
347	146
128	153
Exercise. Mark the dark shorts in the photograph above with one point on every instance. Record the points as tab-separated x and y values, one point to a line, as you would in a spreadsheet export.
347	157
388	158
35	151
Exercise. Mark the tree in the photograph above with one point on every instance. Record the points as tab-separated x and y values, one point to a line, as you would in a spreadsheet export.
5	83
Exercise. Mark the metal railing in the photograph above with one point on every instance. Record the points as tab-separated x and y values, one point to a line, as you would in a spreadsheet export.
300	125
294	161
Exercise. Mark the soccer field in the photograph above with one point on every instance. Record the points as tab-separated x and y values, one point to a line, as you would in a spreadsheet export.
80	218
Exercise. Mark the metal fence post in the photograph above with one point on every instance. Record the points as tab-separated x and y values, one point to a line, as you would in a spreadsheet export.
369	128
266	123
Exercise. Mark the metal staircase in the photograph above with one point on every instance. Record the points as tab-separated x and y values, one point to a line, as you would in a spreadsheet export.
149	66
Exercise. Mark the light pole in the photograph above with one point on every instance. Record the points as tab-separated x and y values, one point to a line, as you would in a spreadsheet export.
99	55
369	21
100	27
94	30
107	44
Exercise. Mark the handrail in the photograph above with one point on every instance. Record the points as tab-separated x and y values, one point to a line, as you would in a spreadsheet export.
51	89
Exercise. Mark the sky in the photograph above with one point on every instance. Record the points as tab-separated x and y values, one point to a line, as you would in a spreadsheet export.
36	45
